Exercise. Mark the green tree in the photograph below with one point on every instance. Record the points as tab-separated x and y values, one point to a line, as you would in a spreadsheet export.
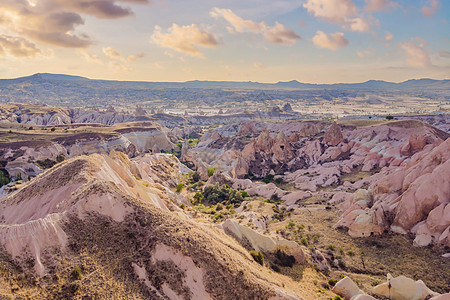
258	257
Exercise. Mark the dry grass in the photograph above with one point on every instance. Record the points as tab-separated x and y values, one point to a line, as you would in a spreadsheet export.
367	260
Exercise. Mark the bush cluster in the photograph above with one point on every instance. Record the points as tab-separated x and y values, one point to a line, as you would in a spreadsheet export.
258	257
214	194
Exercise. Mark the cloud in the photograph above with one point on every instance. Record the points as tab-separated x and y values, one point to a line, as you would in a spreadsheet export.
377	5
280	35
388	37
112	53
343	12
364	53
120	67
55	22
259	66
358	24
135	57
185	39
416	55
444	53
239	24
429	11
17	46
277	34
332	41
91	57
336	11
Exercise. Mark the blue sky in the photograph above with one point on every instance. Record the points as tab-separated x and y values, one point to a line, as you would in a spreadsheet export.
318	41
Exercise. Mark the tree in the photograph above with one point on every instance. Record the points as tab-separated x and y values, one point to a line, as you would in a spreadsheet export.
211	171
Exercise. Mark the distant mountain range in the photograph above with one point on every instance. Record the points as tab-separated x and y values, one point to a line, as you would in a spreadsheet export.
409	85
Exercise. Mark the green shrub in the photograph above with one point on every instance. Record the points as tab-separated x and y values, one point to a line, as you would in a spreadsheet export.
389	117
337	297
76	273
4	179
60	158
245	194
331	247
52	129
268	178
211	171
213	194
291	224
283	259
332	282
46	163
180	186
258	257
195	177
279	180
19	176
219	207
198	197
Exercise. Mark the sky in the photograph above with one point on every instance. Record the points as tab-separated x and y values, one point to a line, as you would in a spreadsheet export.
313	41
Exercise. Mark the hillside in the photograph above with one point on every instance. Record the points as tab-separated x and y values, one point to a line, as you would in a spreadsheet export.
104	225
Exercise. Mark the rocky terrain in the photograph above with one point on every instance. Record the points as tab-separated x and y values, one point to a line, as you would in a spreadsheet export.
404	165
104	225
111	207
26	151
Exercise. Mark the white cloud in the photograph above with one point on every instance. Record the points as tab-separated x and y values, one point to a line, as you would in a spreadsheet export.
331	41
120	67
135	57
388	37
378	5
280	35
239	24
429	11
185	39
54	22
277	34
343	12
259	66
17	46
364	53
336	11
416	55
358	24
112	53
91	57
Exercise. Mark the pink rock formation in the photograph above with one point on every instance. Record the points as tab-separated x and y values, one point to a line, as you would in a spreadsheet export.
416	195
333	136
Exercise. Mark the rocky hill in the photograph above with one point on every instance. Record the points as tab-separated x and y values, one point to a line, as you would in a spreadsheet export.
382	175
28	150
105	226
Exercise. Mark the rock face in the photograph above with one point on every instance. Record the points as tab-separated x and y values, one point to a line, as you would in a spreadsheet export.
333	136
261	242
403	288
94	210
131	138
347	288
412	198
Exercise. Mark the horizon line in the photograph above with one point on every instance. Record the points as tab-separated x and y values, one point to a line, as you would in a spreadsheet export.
226	81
